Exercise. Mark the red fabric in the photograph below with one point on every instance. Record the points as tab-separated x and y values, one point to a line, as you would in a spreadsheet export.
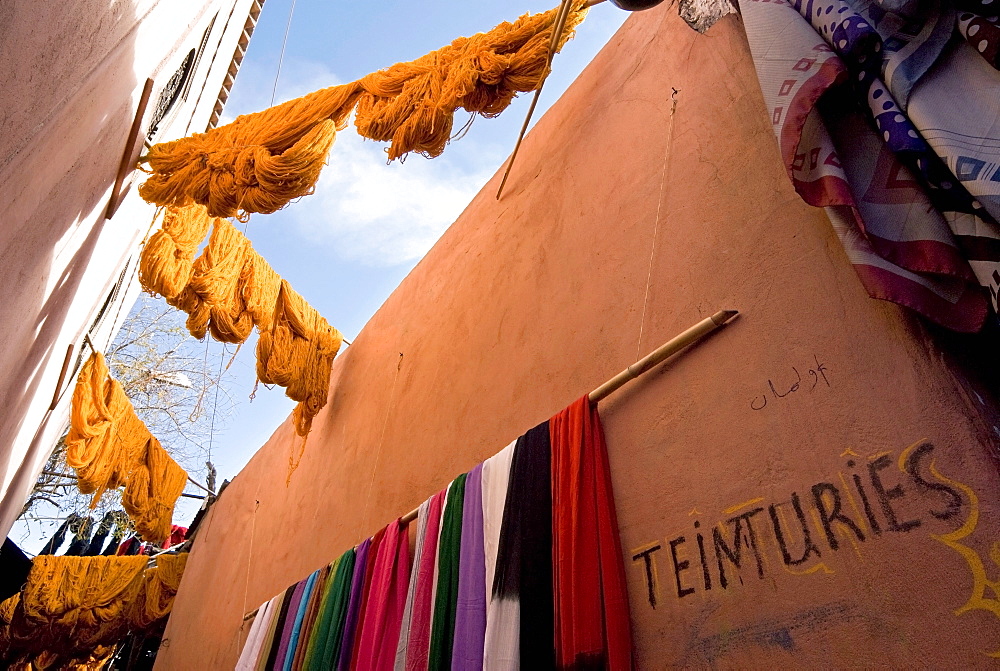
381	623
366	589
419	645
177	536
592	626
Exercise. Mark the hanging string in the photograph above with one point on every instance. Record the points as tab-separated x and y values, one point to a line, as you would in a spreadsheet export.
656	221
381	439
281	56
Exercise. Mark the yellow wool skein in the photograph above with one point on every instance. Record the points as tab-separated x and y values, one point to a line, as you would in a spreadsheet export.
231	290
72	611
109	446
158	591
106	438
152	491
261	161
166	262
297	353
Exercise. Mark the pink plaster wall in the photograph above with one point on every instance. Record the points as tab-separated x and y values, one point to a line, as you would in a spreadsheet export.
527	303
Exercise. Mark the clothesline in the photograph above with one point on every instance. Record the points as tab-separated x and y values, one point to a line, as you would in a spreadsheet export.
660	354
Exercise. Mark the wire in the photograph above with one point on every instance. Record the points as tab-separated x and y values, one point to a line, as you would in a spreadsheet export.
281	57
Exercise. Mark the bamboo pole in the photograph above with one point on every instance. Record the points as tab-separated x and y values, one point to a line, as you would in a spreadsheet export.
643	365
672	346
660	354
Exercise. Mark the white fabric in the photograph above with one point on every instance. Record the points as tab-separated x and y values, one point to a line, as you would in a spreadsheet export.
404	631
503	616
255	639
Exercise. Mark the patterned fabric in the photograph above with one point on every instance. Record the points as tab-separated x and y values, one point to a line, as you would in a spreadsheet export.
887	117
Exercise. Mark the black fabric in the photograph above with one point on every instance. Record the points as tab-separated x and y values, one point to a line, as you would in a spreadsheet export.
59	536
276	639
96	545
14	567
132	546
524	555
81	540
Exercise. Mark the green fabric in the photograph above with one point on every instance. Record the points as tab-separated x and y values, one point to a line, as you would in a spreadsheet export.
446	600
324	644
314	636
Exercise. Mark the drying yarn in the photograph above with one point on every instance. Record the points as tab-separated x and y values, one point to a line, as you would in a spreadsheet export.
72	611
261	161
109	447
166	263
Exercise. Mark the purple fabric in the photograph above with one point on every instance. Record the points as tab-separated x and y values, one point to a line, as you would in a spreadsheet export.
286	631
354	606
470	617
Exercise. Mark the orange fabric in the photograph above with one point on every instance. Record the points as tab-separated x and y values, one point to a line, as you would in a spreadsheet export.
592	626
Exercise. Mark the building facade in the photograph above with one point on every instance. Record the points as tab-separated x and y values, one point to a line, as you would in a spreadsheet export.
86	86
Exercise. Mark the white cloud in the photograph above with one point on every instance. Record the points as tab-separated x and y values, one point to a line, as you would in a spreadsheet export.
383	215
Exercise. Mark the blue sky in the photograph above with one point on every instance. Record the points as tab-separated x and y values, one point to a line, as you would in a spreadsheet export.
347	247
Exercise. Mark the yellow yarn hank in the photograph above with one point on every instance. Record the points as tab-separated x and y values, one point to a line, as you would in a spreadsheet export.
261	161
152	492
166	262
71	604
72	611
297	352
109	446
231	290
159	588
106	438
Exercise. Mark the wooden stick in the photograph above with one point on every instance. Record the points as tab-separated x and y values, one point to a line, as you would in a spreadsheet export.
643	365
131	153
62	377
693	334
557	27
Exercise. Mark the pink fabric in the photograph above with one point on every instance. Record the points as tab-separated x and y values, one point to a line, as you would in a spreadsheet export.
418	650
387	598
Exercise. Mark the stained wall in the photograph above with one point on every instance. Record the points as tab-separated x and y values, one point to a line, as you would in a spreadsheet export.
811	486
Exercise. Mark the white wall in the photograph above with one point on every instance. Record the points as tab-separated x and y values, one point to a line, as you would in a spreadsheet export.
73	74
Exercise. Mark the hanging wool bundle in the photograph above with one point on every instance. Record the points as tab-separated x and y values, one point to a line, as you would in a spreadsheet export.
72	604
261	161
159	587
297	353
153	488
73	610
166	263
109	446
106	438
215	281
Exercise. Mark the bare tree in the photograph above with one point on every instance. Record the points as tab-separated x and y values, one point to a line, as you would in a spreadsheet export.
178	390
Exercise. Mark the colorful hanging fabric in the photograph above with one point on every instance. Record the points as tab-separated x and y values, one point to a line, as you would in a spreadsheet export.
366	590
498	653
380	628
309	622
592	626
280	623
260	162
288	626
330	628
419	634
886	117
446	592
470	606
524	563
255	638
284	661
353	606
399	664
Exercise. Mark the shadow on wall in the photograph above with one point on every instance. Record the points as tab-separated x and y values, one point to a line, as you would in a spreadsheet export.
65	110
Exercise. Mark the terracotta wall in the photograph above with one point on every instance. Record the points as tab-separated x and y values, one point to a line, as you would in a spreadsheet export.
528	303
72	77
